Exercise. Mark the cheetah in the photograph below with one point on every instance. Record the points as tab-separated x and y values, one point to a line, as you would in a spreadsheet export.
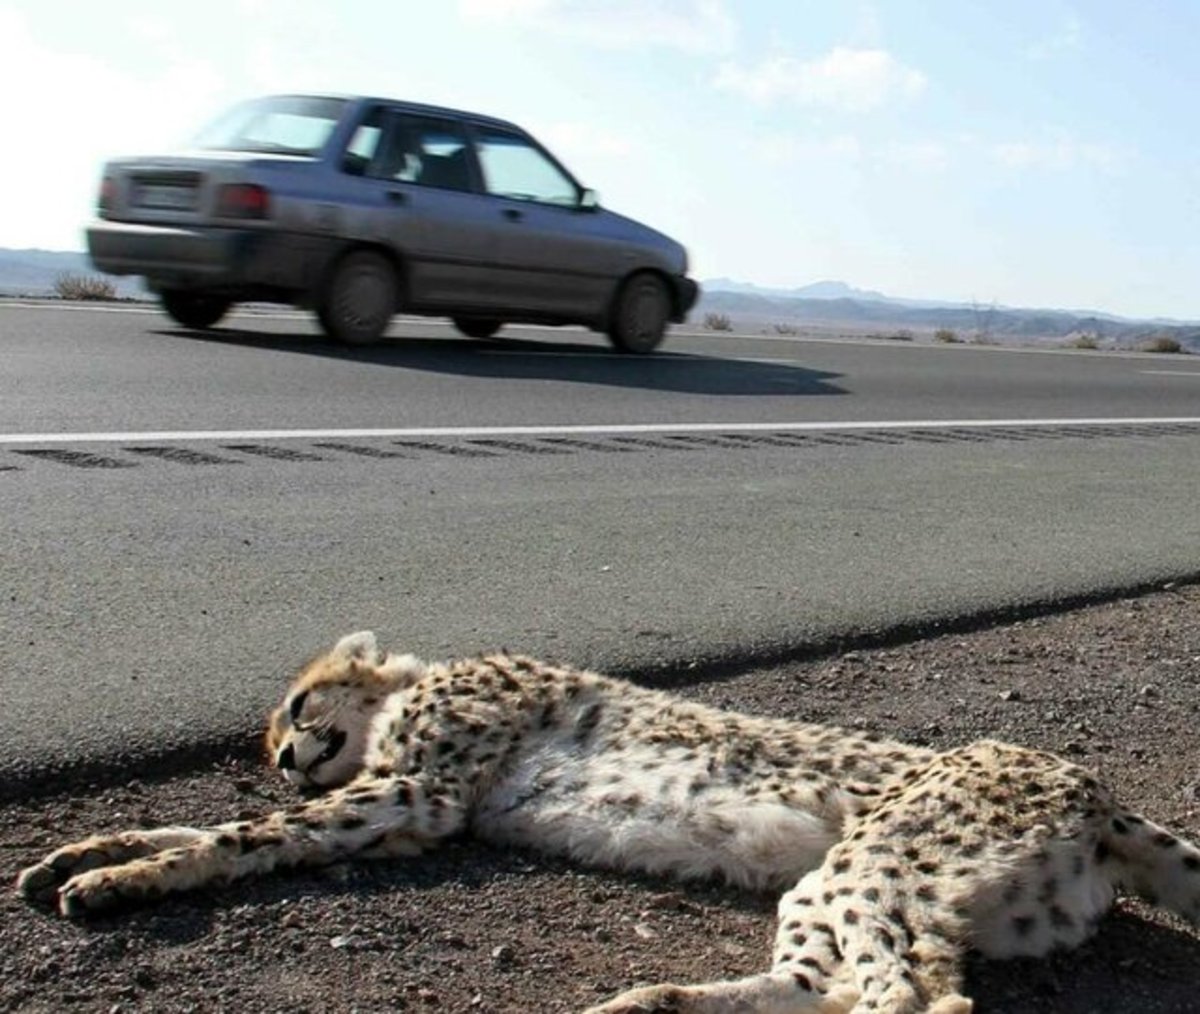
893	860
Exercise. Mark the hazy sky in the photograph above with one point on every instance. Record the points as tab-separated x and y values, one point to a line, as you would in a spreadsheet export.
1029	152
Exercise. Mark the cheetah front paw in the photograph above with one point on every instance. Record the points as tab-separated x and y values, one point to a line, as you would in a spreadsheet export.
44	882
41	882
98	890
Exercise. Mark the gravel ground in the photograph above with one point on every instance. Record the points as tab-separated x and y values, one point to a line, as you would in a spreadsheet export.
472	928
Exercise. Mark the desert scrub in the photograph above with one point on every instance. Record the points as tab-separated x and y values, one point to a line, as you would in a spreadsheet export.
1160	343
718	322
946	336
84	287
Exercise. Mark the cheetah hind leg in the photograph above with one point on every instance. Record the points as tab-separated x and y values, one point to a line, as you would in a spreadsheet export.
769	993
807	975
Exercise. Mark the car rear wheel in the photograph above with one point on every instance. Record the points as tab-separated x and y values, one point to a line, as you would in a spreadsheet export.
194	309
360	299
474	327
640	315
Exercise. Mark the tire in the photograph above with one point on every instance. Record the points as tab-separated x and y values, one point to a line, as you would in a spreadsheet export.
640	314
194	308
360	299
476	327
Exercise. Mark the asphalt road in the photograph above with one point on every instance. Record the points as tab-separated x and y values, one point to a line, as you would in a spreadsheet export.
187	517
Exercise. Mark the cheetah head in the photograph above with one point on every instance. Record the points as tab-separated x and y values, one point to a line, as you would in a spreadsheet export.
317	736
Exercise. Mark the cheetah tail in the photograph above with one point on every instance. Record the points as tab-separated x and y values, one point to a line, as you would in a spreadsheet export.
1149	861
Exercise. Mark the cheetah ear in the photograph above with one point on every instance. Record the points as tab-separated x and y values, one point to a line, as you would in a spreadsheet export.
360	647
402	670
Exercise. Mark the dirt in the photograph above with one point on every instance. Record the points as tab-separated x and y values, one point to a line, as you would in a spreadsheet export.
477	929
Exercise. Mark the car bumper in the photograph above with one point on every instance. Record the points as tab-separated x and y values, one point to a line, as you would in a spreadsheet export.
170	256
687	291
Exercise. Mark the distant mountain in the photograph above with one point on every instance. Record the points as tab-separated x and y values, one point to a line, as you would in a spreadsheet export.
33	273
817	290
754	306
831	304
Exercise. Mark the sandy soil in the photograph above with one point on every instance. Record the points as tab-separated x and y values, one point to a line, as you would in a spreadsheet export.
475	929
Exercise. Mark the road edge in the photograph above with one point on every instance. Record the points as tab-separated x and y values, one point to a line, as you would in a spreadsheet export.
163	763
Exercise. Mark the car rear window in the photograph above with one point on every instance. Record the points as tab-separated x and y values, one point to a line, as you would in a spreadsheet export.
285	125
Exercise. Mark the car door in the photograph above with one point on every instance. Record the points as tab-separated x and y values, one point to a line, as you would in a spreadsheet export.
551	254
421	188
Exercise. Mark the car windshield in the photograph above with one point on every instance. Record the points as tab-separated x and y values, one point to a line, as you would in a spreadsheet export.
287	125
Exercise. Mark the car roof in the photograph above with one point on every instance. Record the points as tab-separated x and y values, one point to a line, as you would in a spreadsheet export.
414	107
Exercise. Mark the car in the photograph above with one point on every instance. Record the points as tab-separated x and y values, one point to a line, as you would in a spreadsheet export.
359	208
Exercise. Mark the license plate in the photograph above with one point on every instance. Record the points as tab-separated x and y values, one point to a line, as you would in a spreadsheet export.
166	196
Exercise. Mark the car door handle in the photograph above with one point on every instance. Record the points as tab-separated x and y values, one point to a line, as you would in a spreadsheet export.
397	197
514	214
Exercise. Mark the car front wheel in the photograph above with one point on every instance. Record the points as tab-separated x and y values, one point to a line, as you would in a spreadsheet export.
360	299
639	320
194	309
474	327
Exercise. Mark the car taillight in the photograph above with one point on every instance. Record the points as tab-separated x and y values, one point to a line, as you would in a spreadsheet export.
108	192
243	200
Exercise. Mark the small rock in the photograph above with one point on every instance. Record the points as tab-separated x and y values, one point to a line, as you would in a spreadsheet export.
503	955
645	931
671	901
343	942
1010	695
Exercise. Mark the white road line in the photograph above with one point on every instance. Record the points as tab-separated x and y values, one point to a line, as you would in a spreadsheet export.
1170	373
426	432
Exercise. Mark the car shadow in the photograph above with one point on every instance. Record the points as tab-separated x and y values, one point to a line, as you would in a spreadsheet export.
561	361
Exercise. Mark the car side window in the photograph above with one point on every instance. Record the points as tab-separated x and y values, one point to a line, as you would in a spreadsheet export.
364	144
514	167
427	151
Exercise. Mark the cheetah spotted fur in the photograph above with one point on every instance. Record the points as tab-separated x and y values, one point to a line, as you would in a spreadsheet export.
893	860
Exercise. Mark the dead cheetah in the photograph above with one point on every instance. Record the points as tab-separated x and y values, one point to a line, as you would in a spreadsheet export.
894	859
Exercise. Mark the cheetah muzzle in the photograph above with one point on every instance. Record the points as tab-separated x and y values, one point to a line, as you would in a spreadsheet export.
892	860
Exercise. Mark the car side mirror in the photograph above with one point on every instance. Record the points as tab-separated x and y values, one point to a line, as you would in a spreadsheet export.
589	200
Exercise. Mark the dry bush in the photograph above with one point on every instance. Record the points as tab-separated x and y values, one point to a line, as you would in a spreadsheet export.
787	329
1160	343
1084	341
718	322
946	336
84	287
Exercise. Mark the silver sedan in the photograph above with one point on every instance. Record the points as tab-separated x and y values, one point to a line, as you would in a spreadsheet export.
362	207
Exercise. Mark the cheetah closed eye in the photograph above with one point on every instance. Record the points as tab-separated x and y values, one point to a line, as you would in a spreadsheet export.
893	860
